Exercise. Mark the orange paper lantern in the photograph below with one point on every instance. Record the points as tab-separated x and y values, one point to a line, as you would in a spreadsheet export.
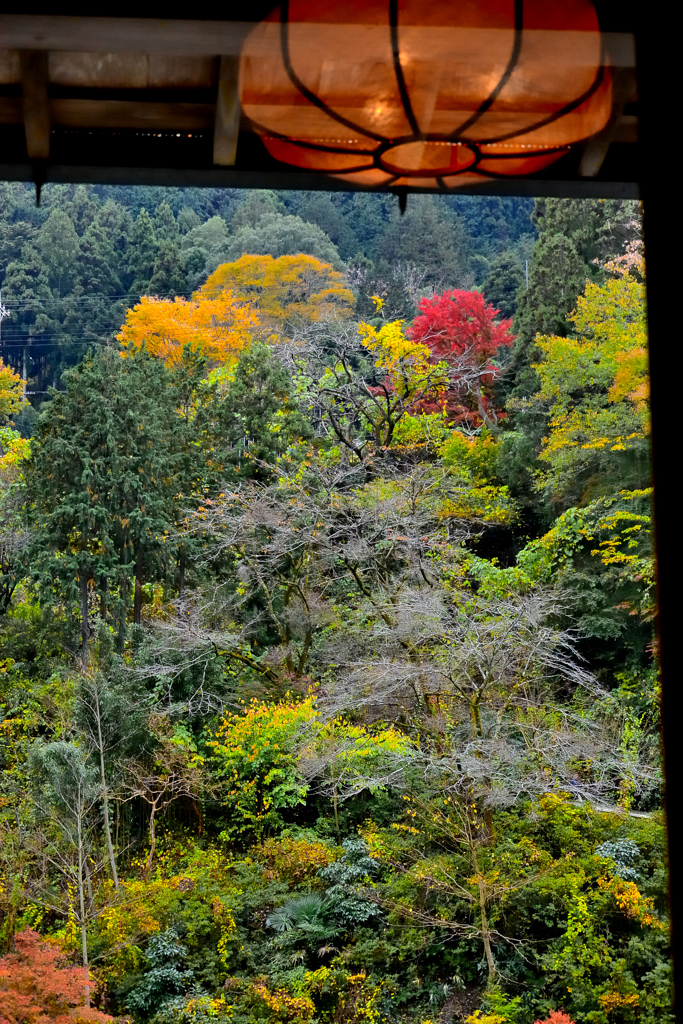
411	92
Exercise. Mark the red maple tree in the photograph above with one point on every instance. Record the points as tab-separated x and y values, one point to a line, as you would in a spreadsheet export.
462	329
36	986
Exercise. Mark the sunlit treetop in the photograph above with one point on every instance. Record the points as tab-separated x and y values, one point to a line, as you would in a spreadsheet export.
283	289
217	328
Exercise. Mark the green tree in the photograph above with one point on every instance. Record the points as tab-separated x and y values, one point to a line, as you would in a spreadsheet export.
254	207
165	227
277	235
505	278
83	208
58	245
101	484
169	271
255	419
143	252
27	294
429	237
97	264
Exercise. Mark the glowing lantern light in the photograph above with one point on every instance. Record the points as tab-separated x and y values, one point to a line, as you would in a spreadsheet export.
410	92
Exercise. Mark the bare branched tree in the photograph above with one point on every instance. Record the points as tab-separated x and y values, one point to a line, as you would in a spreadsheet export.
169	772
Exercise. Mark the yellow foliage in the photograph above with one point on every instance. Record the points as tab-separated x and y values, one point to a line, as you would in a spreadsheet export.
293	860
596	384
390	345
13	450
11	392
631	901
280	1005
486	504
217	328
479	1017
283	289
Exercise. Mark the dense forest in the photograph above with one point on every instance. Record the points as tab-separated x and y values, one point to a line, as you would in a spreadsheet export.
328	684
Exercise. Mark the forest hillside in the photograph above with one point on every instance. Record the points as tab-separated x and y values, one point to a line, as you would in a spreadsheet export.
328	684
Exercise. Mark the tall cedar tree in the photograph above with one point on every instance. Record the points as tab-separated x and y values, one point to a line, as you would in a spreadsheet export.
143	252
101	481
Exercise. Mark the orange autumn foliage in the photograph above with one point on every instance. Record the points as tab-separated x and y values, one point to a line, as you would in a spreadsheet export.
283	289
37	988
218	328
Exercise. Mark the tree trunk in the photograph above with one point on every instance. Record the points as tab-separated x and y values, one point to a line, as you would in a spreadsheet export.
485	933
105	794
152	844
123	591
137	601
81	902
85	634
181	576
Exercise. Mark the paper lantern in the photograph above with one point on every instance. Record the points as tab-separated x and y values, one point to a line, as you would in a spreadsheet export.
411	92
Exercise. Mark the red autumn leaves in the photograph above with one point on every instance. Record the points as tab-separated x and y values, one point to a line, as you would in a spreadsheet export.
460	328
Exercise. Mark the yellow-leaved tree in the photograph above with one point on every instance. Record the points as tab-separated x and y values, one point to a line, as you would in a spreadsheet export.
283	289
218	328
12	398
596	388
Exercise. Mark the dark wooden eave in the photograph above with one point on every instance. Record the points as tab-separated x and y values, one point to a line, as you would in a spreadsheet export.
145	100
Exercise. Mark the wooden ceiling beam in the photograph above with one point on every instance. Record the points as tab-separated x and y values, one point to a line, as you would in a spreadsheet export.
36	111
228	111
111	35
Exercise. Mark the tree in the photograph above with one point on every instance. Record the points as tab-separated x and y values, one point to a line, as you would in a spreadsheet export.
96	264
37	985
596	388
253	418
216	327
254	207
83	208
277	235
58	245
27	293
254	758
557	274
172	770
504	280
65	793
13	537
168	277
143	252
165	227
283	290
11	393
362	404
427	237
101	484
461	329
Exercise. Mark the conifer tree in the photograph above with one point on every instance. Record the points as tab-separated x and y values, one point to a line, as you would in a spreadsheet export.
504	280
165	226
143	251
168	278
96	264
26	292
83	208
58	245
101	481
